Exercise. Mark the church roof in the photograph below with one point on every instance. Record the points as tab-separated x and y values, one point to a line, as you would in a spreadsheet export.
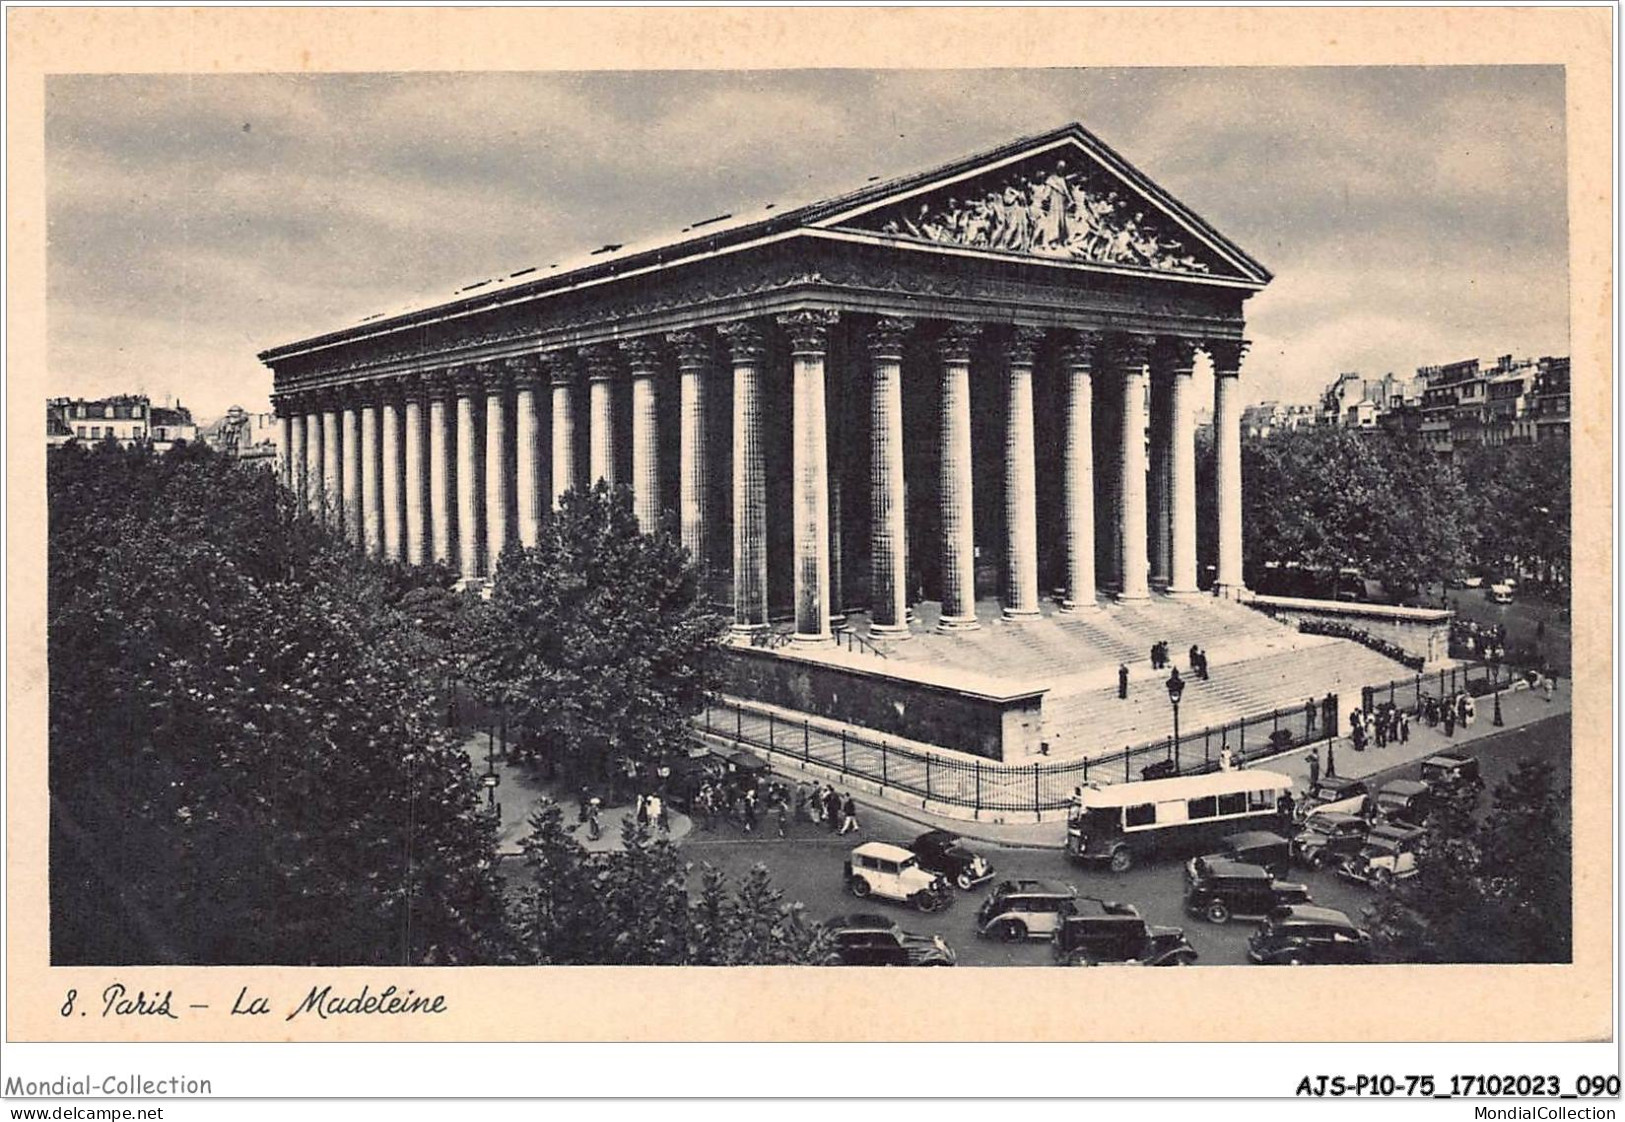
1173	240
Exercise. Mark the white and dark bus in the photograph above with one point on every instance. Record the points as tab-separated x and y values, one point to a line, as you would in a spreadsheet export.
1122	823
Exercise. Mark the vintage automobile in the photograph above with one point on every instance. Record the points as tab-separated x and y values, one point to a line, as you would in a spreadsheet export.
1403	800
1102	933
1389	854
1258	847
890	872
1328	838
1333	794
1453	777
871	940
1304	935
940	851
1217	888
689	774
1025	909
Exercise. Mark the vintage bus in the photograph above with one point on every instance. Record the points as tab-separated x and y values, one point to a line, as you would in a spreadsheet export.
1186	816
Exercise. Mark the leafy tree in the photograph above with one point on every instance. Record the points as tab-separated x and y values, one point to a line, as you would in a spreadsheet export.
1495	891
597	636
245	766
1518	509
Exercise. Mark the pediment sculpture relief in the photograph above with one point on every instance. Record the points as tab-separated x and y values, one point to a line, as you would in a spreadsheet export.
1051	211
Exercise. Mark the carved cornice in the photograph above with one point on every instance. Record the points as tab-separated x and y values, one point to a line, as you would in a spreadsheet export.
1226	355
692	347
808	330
1173	355
642	356
956	341
886	337
1024	344
602	362
745	340
1082	350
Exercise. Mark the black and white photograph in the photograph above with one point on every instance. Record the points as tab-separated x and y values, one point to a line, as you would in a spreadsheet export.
1024	517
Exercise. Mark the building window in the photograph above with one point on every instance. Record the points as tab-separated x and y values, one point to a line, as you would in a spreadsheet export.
107	411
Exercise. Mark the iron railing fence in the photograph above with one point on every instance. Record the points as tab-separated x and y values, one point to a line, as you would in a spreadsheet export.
989	785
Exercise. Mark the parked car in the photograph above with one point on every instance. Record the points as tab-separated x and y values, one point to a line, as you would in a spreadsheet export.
1334	794
871	940
1217	888
689	774
1500	593
1389	854
1258	847
1025	909
1328	838
1101	932
940	851
1453	777
1403	800
1304	935
890	872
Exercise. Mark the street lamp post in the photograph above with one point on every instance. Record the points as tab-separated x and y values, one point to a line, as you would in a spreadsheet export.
1176	690
1495	677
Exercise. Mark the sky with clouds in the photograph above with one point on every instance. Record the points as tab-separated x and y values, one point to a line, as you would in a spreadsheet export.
1410	215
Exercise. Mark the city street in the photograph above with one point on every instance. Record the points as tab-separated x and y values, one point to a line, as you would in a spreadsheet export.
1523	619
807	866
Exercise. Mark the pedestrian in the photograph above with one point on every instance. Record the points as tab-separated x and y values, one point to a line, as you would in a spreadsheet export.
1310	712
832	809
1356	716
784	819
1226	763
1313	759
581	815
1449	719
1285	806
643	811
1549	687
1328	714
1359	736
801	800
1074	805
1201	664
1382	728
1122	680
1195	653
1156	662
1404	727
849	816
750	811
655	807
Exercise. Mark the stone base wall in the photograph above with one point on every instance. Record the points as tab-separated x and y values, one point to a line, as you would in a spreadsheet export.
983	722
1423	632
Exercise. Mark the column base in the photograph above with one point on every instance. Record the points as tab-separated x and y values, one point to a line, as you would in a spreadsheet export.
1159	584
1077	605
1137	594
811	641
958	623
1183	592
1018	615
746	631
890	631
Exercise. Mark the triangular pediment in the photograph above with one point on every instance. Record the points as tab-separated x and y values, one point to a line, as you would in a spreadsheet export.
1065	198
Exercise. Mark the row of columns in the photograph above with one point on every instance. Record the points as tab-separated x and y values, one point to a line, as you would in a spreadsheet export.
376	462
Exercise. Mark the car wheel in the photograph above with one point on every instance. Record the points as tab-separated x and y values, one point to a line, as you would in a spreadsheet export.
1185	960
1381	878
964	881
1294	960
1317	860
1122	860
858	887
1013	931
833	960
927	901
1217	912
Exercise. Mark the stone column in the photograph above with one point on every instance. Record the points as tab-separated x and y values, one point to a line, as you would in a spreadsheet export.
469	483
332	500
1078	470
389	417
296	451
1161	474
809	456
284	435
372	482
563	370
315	497
416	540
527	440
496	465
1133	356
1226	357
747	350
693	362
350	483
1021	480
643	359
954	487
888	552
441	390
601	371
1176	355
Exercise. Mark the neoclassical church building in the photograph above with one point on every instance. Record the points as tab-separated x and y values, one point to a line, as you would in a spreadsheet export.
951	402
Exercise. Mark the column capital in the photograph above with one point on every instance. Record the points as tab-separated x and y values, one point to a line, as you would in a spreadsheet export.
745	340
1133	352
438	385
282	404
494	377
1173	354
642	354
1226	355
390	391
525	370
467	380
326	400
1081	349
1024	344
563	367
886	336
956	340
692	346
601	362
808	330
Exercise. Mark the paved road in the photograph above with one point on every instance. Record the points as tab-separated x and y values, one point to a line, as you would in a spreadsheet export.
1522	619
807	866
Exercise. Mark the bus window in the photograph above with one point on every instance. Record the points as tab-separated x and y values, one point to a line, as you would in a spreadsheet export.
1233	804
1171	813
1205	807
1142	815
1260	800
